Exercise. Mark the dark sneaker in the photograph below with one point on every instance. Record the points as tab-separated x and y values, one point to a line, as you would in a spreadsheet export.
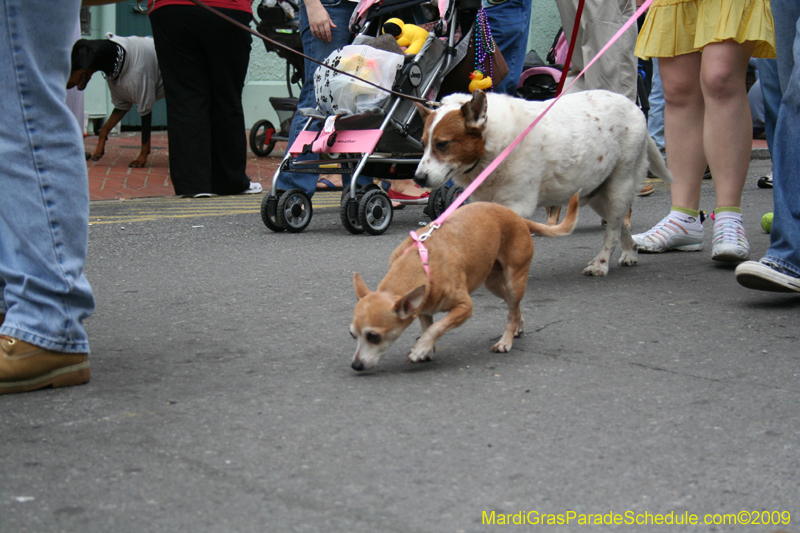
25	367
765	182
765	275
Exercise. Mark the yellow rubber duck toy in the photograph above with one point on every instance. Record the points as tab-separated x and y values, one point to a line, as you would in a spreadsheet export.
408	35
479	81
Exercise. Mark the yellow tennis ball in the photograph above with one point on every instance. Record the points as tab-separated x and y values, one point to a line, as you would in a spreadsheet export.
766	222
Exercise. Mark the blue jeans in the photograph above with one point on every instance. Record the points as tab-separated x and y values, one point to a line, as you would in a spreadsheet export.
784	249
339	11
44	198
655	117
509	23
771	95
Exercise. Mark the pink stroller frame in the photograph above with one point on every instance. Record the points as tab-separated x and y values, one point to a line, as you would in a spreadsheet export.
383	142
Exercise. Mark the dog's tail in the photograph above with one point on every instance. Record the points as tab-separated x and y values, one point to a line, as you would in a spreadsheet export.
566	226
657	165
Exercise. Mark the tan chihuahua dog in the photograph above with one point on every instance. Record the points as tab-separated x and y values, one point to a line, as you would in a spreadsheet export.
480	243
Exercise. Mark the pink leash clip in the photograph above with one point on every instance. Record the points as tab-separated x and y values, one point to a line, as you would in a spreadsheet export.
419	241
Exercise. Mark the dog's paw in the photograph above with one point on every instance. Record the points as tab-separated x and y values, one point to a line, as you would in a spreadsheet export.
628	259
418	358
502	347
420	352
594	270
137	163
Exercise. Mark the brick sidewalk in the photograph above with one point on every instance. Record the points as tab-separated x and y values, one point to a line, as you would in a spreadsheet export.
111	179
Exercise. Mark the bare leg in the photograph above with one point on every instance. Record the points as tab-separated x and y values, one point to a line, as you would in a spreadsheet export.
727	133
683	126
707	119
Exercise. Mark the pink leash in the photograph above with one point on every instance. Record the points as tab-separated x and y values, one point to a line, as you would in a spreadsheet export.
419	240
499	159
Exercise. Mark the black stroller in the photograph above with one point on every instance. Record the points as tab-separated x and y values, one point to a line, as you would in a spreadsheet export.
278	20
395	127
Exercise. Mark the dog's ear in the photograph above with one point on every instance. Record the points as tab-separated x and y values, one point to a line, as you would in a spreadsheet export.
83	53
474	111
361	287
423	111
407	305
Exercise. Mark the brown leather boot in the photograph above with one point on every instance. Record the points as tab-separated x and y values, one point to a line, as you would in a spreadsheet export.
25	367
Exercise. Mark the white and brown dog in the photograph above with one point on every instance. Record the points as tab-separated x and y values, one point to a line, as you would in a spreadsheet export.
479	244
596	141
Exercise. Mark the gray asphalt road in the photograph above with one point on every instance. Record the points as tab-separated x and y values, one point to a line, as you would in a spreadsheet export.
222	397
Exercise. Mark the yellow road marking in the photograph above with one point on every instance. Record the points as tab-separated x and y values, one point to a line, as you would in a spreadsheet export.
150	209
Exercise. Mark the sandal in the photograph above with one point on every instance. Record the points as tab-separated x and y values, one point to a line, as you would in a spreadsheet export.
325	184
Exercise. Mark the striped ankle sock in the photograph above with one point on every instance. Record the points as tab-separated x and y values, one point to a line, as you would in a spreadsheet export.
689	217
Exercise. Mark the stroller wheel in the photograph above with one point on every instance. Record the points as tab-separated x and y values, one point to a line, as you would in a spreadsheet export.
453	193
375	212
294	210
269	212
348	211
261	142
436	202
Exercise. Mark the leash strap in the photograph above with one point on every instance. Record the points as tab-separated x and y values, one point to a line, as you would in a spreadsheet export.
571	47
248	29
419	242
499	159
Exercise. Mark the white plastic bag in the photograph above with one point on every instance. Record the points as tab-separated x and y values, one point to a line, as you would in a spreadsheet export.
338	94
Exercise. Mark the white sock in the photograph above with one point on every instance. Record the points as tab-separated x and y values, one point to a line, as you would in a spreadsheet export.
728	215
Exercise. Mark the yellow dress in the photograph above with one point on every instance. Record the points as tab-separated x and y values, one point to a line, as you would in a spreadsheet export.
676	27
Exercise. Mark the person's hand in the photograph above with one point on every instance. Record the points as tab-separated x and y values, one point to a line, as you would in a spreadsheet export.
319	21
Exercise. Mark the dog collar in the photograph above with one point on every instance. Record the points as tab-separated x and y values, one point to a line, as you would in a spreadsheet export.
118	63
470	169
